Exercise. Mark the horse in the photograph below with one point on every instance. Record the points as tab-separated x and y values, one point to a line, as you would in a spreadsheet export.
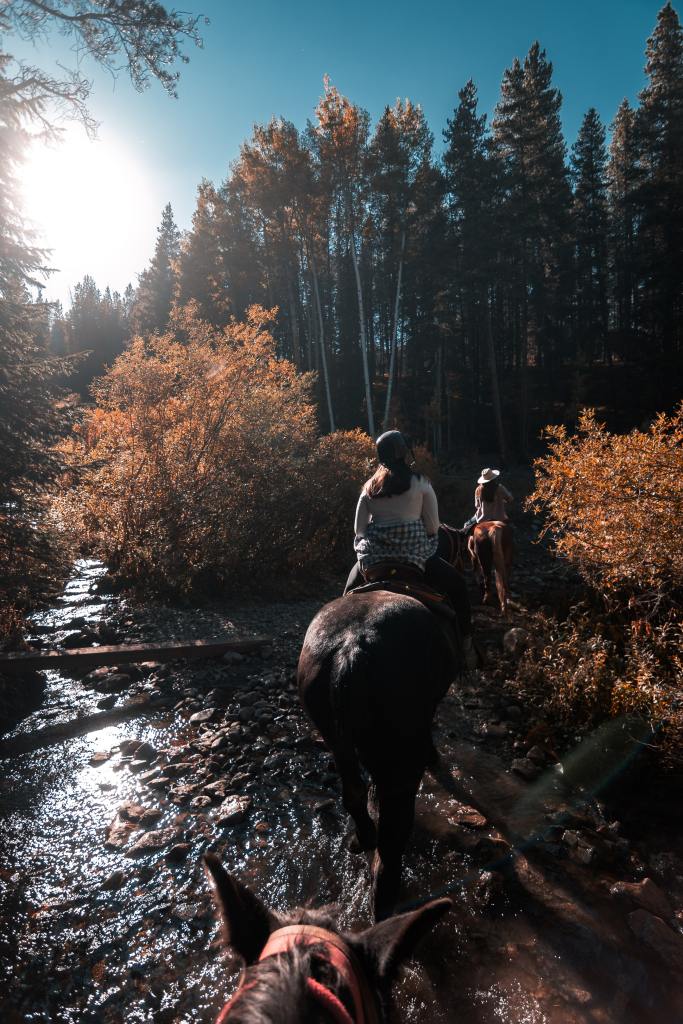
372	670
490	547
301	969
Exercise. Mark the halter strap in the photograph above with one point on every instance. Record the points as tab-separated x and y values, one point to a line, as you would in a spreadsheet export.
343	959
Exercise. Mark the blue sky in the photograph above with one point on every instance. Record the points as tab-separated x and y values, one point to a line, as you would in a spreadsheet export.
269	57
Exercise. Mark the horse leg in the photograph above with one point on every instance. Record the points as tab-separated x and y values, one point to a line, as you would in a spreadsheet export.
396	816
355	798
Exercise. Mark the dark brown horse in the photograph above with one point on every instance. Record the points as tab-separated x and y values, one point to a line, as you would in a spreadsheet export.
372	671
300	969
490	546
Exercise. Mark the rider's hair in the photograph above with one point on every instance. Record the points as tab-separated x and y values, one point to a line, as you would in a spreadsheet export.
388	480
488	490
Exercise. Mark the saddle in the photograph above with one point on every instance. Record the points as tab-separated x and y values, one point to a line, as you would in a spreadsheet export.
400	578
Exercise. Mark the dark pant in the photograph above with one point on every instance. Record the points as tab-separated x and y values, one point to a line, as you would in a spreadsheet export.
444	578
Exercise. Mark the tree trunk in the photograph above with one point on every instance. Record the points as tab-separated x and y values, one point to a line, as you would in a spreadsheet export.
294	324
495	391
392	355
323	356
363	344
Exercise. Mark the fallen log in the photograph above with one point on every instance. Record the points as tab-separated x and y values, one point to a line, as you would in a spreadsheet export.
120	654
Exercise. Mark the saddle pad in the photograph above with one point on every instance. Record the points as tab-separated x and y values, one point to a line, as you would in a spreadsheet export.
431	599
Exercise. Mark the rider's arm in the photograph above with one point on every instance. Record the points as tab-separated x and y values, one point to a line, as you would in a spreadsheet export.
430	511
362	515
478	508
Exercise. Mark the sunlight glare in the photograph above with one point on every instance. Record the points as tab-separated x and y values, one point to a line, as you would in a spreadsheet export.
91	203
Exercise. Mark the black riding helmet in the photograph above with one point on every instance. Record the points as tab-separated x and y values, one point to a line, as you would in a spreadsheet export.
392	447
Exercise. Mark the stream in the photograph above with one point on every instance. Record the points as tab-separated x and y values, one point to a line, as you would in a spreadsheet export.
101	923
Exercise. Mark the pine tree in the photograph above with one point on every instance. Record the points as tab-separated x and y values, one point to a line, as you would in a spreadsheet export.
155	290
531	150
659	199
201	270
623	177
589	175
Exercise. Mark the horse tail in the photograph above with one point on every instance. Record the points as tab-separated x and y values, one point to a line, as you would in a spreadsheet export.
497	535
349	663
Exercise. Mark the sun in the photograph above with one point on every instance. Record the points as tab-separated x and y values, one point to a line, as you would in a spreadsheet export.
92	204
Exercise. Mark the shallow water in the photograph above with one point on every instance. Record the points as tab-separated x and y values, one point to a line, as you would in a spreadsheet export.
531	941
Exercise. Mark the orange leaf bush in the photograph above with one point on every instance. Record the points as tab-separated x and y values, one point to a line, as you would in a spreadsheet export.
613	508
201	466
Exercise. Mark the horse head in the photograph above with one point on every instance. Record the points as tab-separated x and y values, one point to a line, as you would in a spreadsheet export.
301	968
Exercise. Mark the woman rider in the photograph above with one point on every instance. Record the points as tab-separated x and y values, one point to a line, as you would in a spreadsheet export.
397	520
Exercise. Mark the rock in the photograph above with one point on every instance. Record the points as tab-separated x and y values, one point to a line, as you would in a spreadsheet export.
524	767
537	755
159	783
465	815
107	702
117	681
201	801
202	716
570	838
152	841
147	776
233	810
114	881
495	730
515	641
232	658
129	746
131	812
72	640
583	854
323	805
245	714
99	758
648	895
178	852
118	835
651	930
145	752
217	790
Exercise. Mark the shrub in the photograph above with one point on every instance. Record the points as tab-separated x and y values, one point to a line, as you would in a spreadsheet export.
201	466
613	507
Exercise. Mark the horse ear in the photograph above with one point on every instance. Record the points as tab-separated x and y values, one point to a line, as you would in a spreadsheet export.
246	920
390	942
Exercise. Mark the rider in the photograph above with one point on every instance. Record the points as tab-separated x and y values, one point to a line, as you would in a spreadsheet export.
490	499
397	520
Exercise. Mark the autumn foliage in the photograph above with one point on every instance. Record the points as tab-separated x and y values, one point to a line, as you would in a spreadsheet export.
613	507
201	466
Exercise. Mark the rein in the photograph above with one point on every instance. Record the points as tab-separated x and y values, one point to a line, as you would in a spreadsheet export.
339	954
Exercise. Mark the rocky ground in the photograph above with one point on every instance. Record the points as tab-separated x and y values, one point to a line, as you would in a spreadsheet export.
561	914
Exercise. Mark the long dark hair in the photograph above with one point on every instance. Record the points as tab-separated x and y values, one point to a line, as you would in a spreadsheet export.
488	490
391	479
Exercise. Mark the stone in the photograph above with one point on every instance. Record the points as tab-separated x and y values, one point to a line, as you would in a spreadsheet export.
245	714
537	755
129	746
570	838
159	783
105	703
524	767
99	758
323	805
145	752
232	658
233	810
201	801
202	716
149	842
178	852
131	812
117	681
114	881
515	641
583	854
651	930
118	835
494	730
647	894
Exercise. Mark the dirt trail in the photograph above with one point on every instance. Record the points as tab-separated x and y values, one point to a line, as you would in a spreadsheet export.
559	916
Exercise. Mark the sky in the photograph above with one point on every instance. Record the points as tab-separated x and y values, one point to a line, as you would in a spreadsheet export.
98	204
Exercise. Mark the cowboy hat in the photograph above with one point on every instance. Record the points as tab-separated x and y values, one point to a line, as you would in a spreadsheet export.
487	475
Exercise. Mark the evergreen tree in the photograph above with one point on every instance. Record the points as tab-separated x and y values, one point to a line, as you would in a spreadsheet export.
622	180
589	175
531	150
201	270
659	199
156	287
98	328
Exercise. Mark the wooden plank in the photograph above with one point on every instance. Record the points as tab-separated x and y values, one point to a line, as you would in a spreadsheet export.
120	654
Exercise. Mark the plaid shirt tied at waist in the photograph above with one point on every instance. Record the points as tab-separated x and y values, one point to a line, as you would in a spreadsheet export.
396	542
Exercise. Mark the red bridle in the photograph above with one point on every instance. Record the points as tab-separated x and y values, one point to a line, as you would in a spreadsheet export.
340	955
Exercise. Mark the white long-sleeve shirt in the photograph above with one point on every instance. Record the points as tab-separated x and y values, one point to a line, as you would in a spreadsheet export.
492	510
417	502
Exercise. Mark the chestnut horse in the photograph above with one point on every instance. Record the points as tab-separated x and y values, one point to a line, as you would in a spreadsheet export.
371	673
301	969
490	547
